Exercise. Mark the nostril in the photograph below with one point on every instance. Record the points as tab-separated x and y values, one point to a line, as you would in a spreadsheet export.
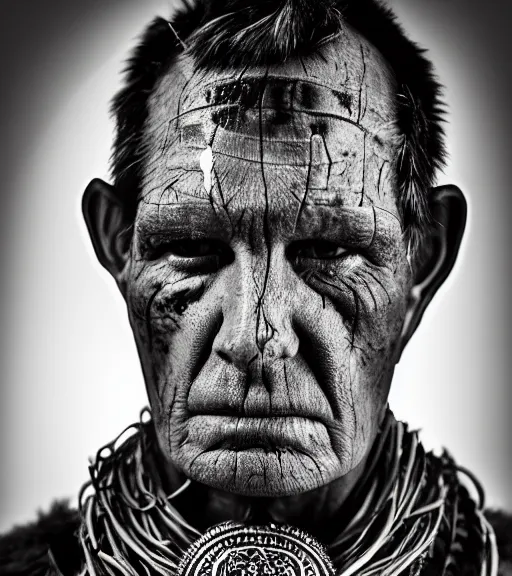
224	356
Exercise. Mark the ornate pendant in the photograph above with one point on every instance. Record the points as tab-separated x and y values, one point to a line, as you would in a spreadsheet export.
231	549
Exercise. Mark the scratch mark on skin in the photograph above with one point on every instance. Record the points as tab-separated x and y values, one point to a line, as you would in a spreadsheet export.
303	66
391	214
374	226
166	138
381	285
195	458
356	315
235	469
262	464
140	273
270	331
290	191
266	231
351	384
224	204
379	182
304	197
364	170
221	193
339	174
147	316
370	291
306	274
278	453
352	407
361	112
343	308
329	159
166	189
214	134
315	463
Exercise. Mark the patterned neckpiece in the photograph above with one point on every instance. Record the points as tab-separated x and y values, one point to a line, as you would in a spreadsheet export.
410	514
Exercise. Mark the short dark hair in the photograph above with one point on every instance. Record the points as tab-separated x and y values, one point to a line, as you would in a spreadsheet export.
240	32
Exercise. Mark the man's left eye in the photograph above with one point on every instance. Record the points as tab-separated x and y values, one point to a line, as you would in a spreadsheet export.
196	248
315	249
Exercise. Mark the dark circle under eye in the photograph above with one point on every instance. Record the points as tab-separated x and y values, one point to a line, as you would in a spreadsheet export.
315	249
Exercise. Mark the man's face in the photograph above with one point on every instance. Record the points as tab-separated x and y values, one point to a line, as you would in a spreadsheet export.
268	278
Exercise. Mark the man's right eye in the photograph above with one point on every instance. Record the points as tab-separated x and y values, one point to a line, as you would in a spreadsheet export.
191	249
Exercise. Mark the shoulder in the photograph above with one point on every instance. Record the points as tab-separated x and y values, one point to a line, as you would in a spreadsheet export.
25	549
502	525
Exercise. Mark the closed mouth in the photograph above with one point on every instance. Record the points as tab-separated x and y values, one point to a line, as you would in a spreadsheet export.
268	434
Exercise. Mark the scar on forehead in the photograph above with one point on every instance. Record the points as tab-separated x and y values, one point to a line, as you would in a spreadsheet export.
229	98
276	92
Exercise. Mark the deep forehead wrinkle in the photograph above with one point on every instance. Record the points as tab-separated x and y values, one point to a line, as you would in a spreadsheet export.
315	130
349	76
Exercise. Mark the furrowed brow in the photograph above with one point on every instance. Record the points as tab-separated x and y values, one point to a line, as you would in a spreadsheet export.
350	226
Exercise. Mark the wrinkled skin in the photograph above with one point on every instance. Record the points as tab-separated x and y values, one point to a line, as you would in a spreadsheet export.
268	278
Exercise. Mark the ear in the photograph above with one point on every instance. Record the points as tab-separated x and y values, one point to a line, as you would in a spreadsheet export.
109	227
449	214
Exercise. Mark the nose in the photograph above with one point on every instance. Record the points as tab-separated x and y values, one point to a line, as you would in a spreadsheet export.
257	308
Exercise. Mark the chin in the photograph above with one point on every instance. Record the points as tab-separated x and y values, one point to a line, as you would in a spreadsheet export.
262	471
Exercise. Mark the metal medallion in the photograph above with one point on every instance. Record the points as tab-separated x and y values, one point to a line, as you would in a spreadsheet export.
231	549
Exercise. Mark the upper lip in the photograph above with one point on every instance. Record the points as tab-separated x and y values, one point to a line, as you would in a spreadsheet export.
251	432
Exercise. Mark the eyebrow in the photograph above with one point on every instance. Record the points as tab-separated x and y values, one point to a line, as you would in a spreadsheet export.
352	226
190	217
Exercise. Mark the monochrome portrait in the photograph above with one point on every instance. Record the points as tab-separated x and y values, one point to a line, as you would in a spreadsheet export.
256	289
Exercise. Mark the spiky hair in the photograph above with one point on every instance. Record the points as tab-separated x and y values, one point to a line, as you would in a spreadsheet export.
220	33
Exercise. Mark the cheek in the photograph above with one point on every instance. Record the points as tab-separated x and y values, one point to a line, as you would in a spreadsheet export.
362	324
173	323
370	299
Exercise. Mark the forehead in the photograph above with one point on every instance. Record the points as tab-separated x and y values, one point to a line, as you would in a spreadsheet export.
325	122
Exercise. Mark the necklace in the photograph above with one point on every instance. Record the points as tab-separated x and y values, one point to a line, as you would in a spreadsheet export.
410	514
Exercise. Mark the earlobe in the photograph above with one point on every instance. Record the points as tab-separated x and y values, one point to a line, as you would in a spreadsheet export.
449	214
109	227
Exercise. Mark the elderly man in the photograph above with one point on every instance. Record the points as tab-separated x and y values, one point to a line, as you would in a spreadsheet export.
275	233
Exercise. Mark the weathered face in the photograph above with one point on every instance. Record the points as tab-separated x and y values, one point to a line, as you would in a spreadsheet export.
268	279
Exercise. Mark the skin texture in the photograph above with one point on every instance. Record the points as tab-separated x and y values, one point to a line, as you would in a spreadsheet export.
267	291
267	279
